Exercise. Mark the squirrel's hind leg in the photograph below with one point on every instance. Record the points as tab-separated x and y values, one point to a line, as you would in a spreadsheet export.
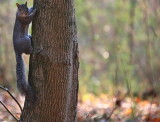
28	46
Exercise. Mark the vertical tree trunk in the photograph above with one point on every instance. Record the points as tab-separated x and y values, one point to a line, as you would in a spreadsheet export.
54	64
131	28
148	69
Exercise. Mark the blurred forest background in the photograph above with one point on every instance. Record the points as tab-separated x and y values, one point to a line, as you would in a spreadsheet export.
118	39
119	43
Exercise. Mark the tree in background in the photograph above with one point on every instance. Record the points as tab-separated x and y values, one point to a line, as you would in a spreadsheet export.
54	64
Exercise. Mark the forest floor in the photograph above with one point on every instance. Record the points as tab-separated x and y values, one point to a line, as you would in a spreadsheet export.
102	108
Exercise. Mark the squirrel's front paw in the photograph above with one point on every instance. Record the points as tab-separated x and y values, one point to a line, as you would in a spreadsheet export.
34	11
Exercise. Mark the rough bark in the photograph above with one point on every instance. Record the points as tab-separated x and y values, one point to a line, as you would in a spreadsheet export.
53	71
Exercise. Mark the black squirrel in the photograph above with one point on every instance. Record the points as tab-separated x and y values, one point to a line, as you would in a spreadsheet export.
22	44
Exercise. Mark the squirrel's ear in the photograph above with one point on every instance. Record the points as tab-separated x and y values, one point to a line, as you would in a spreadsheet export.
26	3
17	4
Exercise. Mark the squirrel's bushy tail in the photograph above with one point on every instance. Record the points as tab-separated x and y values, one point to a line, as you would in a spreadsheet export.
22	83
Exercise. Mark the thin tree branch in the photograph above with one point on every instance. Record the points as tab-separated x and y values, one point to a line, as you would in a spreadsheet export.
5	89
8	110
109	116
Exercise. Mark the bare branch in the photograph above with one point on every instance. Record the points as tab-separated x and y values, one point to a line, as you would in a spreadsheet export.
8	110
109	116
6	89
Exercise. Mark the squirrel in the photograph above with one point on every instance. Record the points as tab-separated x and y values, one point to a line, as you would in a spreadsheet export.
22	44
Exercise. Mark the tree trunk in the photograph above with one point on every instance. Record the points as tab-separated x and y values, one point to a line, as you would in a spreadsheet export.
131	28
53	73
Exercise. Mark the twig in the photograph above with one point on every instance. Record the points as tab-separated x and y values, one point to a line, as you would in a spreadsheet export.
8	111
5	89
109	117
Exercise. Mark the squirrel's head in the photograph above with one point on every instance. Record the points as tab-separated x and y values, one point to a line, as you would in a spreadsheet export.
22	9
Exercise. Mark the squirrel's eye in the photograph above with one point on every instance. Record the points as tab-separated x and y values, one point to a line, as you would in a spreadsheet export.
20	9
